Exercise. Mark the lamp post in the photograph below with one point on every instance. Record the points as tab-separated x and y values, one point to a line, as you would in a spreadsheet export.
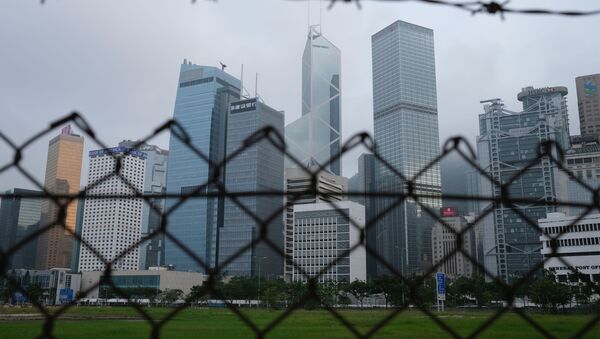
258	293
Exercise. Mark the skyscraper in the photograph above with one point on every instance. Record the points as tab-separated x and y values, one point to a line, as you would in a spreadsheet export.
406	136
155	182
257	168
19	218
203	97
362	182
315	137
507	142
588	101
63	173
112	225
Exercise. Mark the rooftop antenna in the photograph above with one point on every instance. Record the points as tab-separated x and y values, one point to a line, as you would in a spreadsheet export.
256	86
321	15
243	92
223	66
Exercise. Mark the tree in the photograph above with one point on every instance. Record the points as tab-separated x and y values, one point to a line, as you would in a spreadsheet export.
34	293
359	289
169	296
549	293
393	289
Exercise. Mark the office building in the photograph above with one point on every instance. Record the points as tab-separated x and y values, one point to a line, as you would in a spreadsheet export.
582	160
112	225
588	101
315	137
19	218
257	168
201	108
159	279
301	189
406	135
364	182
155	182
76	243
507	142
324	233
444	240
63	174
575	257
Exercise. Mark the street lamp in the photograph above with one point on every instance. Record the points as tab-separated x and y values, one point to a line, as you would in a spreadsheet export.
258	293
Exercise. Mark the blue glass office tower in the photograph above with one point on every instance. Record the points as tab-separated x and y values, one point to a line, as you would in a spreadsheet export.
315	137
19	218
257	168
406	135
508	142
203	97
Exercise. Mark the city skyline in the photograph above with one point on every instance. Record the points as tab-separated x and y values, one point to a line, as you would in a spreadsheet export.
477	50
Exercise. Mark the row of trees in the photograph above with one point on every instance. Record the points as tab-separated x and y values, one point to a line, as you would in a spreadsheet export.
544	292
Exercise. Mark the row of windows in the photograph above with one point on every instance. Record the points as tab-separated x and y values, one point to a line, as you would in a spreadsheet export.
572	228
574	242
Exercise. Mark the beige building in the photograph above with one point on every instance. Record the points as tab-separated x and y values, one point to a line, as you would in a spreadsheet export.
588	101
444	241
63	173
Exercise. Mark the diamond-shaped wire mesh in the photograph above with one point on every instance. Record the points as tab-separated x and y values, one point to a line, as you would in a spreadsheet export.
311	293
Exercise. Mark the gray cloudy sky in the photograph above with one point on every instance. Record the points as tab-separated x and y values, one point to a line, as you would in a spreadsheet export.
117	62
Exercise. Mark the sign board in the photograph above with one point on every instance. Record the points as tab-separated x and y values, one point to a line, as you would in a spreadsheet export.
449	212
65	295
440	279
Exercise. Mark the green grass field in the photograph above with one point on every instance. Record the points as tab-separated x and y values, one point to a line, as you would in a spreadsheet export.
122	322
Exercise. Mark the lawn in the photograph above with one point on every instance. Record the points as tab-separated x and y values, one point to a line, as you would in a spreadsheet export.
122	322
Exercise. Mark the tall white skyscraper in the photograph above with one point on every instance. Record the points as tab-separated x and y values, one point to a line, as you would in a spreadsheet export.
111	225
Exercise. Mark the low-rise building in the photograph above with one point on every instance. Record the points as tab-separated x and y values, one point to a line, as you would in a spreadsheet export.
323	236
577	246
58	285
93	282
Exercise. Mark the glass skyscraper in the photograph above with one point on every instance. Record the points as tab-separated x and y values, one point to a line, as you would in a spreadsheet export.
315	137
257	168
507	143
19	218
203	97
406	136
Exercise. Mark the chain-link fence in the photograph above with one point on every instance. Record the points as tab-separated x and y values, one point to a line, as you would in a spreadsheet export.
507	292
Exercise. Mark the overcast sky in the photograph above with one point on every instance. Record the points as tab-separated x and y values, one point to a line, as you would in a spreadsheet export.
117	62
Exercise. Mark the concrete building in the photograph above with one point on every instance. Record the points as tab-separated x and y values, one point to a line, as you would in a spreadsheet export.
201	107
152	252
444	241
582	160
301	189
315	137
588	101
257	168
59	285
507	142
407	137
19	218
160	279
577	246
112	225
324	234
63	174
